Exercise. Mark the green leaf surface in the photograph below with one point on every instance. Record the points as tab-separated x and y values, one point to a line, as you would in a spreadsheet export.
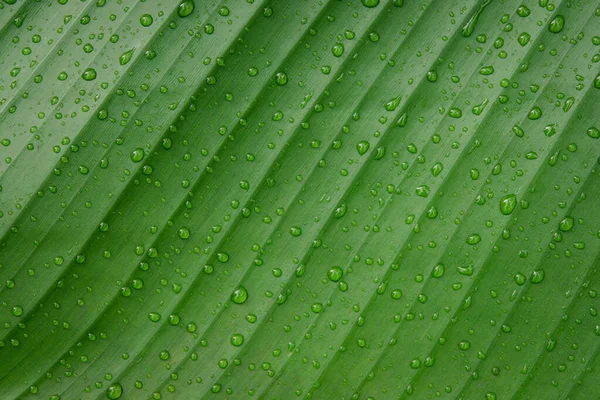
280	199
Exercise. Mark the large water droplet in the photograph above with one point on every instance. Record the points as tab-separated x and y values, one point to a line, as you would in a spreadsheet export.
370	3
557	24
185	8
114	391
126	57
239	295
508	204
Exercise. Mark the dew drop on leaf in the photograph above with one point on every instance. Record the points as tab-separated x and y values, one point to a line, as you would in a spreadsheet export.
335	273
474	239
239	295
146	20
185	8
593	132
362	147
183	233
370	3
237	339
537	276
337	49
89	74
114	391
438	271
126	57
557	24
455	112
137	155
281	78
566	224
487	70
423	191
508	204
393	103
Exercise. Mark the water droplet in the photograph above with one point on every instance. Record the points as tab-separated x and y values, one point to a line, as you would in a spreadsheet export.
237	339
154	316
520	279
137	155
474	239
393	103
523	11
380	153
478	109
487	70
89	74
437	169
464	345
239	295
362	147
593	132
185	8
466	270
340	211
550	130
370	3
508	204
537	276
335	273
114	391
469	27
517	130
17	311
566	224
438	271
402	121
337	49
557	24
183	233
535	113
281	78
422	191
146	20
295	231
126	57
455	112
524	38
